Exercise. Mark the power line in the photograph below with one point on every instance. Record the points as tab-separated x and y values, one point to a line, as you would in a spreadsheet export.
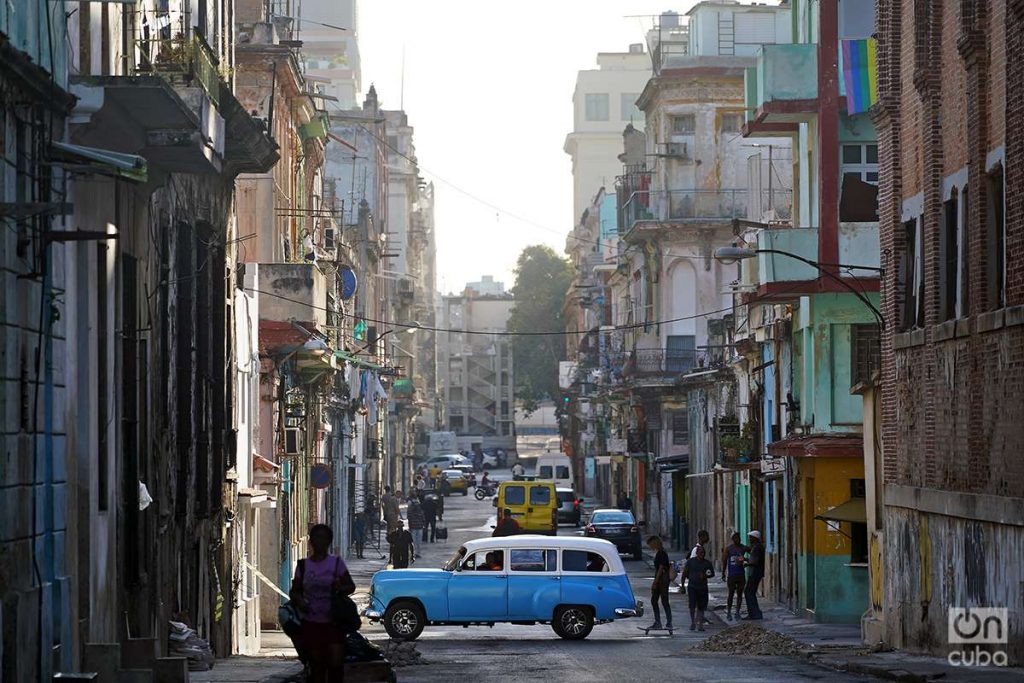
554	333
481	200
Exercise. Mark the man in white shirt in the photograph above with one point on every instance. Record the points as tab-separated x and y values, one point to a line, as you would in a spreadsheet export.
702	541
518	471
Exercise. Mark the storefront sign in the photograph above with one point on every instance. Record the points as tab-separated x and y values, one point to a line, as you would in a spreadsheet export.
616	445
773	465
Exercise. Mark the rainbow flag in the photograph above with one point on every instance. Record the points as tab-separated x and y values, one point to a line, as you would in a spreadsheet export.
860	74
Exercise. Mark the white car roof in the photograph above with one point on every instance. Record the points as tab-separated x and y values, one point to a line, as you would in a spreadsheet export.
605	548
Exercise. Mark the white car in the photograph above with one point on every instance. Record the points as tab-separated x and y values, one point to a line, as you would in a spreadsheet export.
453	461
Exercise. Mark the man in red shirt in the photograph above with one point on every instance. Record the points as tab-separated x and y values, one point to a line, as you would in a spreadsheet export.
507	526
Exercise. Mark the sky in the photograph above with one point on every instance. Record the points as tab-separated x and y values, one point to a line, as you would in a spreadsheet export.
489	94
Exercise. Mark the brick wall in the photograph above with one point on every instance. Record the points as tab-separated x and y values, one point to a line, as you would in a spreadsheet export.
952	408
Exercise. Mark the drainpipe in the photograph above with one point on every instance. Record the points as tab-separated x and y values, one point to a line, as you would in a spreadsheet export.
828	134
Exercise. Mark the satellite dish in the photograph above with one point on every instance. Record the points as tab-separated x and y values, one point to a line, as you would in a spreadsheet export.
349	283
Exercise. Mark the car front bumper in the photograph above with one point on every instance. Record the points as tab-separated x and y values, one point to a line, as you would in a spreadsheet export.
372	614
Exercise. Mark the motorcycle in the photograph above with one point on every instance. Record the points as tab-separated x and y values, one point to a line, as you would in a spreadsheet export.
486	491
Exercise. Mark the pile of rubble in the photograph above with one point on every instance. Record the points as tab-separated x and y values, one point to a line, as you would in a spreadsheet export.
751	639
402	653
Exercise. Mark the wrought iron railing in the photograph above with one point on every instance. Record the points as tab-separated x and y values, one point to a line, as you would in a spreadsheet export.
702	205
648	362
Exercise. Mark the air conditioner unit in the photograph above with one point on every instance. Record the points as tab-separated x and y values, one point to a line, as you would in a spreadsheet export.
292	441
677	149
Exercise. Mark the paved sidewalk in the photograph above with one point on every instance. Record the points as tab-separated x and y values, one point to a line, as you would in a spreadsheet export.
275	663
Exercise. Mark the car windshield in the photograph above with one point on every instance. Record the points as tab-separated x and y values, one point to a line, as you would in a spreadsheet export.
612	516
453	474
452	563
566	496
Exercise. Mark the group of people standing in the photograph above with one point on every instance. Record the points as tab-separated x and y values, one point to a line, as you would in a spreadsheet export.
742	571
425	509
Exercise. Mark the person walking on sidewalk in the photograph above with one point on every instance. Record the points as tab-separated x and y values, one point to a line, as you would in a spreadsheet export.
755	572
702	542
317	579
696	573
659	587
429	517
414	513
359	534
392	510
624	503
402	546
733	575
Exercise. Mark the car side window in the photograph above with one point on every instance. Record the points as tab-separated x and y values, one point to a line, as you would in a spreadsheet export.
583	561
485	561
540	495
515	495
561	472
544	472
530	560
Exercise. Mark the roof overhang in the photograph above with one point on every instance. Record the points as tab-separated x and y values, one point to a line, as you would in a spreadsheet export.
819	446
853	511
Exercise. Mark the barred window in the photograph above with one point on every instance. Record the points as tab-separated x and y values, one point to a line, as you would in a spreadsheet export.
865	347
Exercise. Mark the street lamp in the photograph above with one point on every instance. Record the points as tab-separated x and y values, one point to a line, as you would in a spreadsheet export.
733	254
409	329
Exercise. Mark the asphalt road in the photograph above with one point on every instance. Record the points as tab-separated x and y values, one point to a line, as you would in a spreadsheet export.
614	652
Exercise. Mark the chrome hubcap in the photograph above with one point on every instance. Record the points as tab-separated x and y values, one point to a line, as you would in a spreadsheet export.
404	621
573	622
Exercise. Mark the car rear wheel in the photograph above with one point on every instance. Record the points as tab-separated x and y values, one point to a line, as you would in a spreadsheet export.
573	622
404	620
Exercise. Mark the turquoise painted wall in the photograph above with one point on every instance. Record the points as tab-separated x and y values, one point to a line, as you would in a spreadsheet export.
824	361
741	519
840	592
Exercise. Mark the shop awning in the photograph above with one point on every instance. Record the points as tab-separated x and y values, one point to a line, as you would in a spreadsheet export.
354	360
819	446
853	511
128	166
668	464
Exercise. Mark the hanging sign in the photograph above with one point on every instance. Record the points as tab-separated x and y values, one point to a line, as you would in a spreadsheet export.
349	283
320	475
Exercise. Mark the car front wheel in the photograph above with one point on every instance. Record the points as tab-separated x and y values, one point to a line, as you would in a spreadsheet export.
404	620
573	622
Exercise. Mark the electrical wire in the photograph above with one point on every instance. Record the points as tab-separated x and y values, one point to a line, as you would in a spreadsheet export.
553	333
485	202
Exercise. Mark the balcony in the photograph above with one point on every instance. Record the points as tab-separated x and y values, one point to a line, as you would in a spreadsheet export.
663	366
174	108
858	244
701	206
782	90
293	292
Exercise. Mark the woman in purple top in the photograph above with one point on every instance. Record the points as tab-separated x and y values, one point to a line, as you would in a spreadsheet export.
317	578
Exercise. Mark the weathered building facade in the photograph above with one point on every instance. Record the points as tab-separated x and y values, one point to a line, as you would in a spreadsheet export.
951	217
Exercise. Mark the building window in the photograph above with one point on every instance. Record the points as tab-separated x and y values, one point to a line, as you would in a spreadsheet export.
596	106
456	422
683	124
953	273
732	123
861	162
996	239
912	275
866	352
680	429
628	109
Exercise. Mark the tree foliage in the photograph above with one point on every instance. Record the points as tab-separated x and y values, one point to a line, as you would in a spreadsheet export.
542	282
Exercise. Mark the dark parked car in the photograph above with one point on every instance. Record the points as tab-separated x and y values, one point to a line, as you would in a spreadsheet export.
568	506
619	527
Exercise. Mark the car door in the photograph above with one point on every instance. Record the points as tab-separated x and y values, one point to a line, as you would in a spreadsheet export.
541	503
478	593
586	580
533	584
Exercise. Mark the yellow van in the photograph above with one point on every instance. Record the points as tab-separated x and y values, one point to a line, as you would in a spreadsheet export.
534	505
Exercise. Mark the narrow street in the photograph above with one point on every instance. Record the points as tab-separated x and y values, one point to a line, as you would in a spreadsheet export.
614	652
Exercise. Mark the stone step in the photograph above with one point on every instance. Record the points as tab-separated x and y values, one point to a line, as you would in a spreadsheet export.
135	676
139	653
104	659
171	670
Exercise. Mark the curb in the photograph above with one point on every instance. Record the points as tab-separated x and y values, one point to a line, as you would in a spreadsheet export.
885	673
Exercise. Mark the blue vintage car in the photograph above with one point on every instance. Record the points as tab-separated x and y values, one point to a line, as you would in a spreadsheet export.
570	583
